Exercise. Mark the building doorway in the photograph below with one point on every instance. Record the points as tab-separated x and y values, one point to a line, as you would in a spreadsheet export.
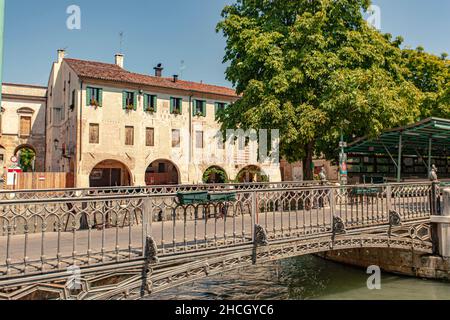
162	172
215	174
252	174
109	173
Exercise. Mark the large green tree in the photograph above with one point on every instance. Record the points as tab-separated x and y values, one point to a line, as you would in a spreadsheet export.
310	68
430	74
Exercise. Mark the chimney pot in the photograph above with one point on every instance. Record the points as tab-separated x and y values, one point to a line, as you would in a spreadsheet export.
175	78
158	70
119	60
61	55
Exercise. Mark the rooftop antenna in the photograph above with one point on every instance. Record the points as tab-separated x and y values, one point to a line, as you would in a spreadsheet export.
182	68
120	41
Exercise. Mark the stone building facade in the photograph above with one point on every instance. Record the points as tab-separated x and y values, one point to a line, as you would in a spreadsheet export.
113	127
22	124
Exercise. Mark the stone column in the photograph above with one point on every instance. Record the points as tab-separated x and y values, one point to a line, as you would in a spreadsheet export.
443	225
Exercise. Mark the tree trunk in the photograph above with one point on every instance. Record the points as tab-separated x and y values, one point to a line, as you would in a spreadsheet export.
308	174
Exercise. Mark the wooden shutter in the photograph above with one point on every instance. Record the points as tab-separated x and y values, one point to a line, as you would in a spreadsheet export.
100	97
124	100
204	108
199	139
150	137
172	103
180	101
88	96
146	96
135	95
155	103
129	136
94	133
194	109
25	126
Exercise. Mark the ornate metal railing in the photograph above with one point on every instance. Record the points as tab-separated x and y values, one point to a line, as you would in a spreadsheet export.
43	235
144	190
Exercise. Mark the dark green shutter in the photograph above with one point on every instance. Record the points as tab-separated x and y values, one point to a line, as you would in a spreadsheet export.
194	109
135	95
124	100
181	105
155	103
100	97
204	108
145	102
172	102
216	108
88	96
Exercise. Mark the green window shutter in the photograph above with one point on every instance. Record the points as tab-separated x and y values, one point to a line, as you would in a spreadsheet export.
145	101
124	100
194	109
216	108
155	103
100	97
181	105
88	96
172	102
204	108
135	100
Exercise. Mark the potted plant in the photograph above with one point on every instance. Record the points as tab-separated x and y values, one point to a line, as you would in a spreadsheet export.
150	109
199	114
95	103
176	112
130	107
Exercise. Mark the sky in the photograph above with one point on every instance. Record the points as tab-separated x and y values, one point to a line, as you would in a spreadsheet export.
169	32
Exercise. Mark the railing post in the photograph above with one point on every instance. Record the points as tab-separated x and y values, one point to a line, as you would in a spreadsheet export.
333	201
254	214
441	227
388	199
146	220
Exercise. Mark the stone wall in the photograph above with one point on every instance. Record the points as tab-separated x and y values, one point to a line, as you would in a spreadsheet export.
401	262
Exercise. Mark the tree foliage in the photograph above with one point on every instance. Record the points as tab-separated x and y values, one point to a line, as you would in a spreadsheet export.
310	68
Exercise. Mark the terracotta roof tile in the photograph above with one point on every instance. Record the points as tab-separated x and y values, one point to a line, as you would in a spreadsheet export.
112	72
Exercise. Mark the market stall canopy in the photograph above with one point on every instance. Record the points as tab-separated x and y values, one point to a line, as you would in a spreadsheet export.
415	140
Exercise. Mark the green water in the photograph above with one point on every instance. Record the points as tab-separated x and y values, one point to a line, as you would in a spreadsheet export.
307	277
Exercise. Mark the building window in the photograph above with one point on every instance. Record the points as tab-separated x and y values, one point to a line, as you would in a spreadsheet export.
129	136
72	104
199	139
150	102
129	100
94	96
220	107
57	117
176	105
25	126
199	108
94	133
176	139
150	137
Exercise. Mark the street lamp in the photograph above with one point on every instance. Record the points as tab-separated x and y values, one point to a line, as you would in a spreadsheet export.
2	23
343	172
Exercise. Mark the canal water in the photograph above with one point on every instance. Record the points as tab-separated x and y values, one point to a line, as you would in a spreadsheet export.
303	278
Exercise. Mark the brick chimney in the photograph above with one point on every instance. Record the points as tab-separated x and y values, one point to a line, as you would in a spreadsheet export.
61	55
119	60
158	70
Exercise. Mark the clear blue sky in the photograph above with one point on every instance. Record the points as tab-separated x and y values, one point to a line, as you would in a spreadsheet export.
167	31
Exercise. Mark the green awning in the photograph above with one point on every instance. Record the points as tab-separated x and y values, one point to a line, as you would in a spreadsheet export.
416	140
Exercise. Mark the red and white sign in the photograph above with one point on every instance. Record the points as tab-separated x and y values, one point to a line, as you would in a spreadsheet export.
14	159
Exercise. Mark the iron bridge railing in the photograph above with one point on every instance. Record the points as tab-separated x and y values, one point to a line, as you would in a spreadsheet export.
41	235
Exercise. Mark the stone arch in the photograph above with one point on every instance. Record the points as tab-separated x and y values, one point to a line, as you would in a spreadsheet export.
213	175
162	172
110	173
26	167
252	173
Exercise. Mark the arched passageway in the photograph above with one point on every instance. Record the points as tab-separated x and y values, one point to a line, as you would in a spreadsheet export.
162	172
215	174
110	173
252	174
26	155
